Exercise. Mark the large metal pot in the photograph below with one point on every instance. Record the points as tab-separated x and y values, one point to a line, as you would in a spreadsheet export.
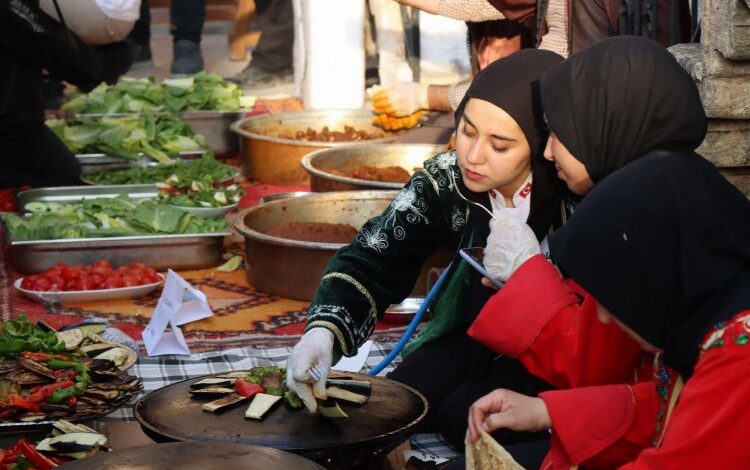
292	268
319	164
271	159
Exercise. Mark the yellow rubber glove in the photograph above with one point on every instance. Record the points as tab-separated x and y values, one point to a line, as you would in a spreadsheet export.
404	99
390	123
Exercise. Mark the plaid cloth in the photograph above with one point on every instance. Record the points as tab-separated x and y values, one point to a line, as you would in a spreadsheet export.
160	371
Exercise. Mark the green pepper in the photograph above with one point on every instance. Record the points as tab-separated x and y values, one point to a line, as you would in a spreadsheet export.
11	346
62	394
60	364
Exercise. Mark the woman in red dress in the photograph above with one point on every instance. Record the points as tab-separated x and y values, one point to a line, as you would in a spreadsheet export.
662	245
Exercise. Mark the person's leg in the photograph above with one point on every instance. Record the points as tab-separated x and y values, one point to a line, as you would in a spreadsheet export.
503	372
436	370
140	36
186	26
271	61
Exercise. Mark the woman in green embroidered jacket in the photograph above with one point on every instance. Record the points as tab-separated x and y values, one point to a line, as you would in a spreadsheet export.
501	137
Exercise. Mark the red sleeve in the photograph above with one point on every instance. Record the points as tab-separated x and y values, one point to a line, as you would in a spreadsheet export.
708	428
603	426
538	318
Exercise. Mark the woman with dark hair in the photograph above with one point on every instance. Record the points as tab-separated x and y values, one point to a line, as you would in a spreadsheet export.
498	166
662	246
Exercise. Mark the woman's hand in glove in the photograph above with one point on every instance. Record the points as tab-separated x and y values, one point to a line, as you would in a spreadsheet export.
314	349
510	244
403	99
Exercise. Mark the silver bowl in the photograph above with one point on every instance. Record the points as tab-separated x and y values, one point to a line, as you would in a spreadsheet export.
268	158
319	164
292	268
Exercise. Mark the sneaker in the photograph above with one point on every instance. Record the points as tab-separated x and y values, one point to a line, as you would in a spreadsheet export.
186	57
254	77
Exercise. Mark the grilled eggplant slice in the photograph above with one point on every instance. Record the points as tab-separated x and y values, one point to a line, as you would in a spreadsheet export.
66	427
71	338
262	402
26	377
95	349
116	354
346	395
72	442
356	386
238	374
223	403
212	382
37	368
31	417
329	408
211	391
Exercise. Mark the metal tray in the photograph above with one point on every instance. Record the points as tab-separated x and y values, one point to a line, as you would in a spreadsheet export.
96	162
185	251
64	194
212	125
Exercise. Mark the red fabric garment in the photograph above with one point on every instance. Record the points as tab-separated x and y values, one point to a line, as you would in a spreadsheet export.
597	427
516	10
538	318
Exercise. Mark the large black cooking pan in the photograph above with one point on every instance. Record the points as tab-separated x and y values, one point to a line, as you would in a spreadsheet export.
370	432
194	456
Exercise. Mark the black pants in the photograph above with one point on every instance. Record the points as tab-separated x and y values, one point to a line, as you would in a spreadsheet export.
274	50
40	159
452	373
186	21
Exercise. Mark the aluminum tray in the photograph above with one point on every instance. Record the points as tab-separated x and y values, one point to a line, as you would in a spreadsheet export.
212	125
188	251
95	162
76	193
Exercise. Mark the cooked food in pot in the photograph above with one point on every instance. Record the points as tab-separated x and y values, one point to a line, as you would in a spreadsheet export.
319	232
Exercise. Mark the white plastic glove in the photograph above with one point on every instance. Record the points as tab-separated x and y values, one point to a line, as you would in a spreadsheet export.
510	244
315	348
403	99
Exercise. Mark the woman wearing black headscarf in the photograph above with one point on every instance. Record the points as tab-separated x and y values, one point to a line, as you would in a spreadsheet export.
662	245
499	153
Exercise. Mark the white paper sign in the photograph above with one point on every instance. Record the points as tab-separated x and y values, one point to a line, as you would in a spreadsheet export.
179	303
354	363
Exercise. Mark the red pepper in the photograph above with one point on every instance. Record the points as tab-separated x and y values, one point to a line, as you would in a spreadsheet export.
44	357
247	389
42	392
72	402
24	403
40	461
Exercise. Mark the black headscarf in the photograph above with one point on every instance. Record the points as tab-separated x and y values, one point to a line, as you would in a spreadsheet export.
512	84
619	99
664	245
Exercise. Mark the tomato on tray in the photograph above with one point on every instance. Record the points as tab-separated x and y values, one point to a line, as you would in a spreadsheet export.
100	275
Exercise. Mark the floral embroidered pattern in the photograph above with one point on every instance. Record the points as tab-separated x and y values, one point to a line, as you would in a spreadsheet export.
374	239
440	167
458	220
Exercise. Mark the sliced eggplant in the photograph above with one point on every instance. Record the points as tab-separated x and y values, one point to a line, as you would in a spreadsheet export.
83	455
37	368
213	382
224	402
26	377
232	375
262	402
73	442
346	395
356	386
117	355
66	427
329	408
96	328
212	391
102	394
31	417
95	349
71	338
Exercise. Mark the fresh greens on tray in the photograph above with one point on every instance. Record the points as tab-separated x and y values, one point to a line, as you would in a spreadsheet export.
105	217
207	168
204	91
200	194
156	136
